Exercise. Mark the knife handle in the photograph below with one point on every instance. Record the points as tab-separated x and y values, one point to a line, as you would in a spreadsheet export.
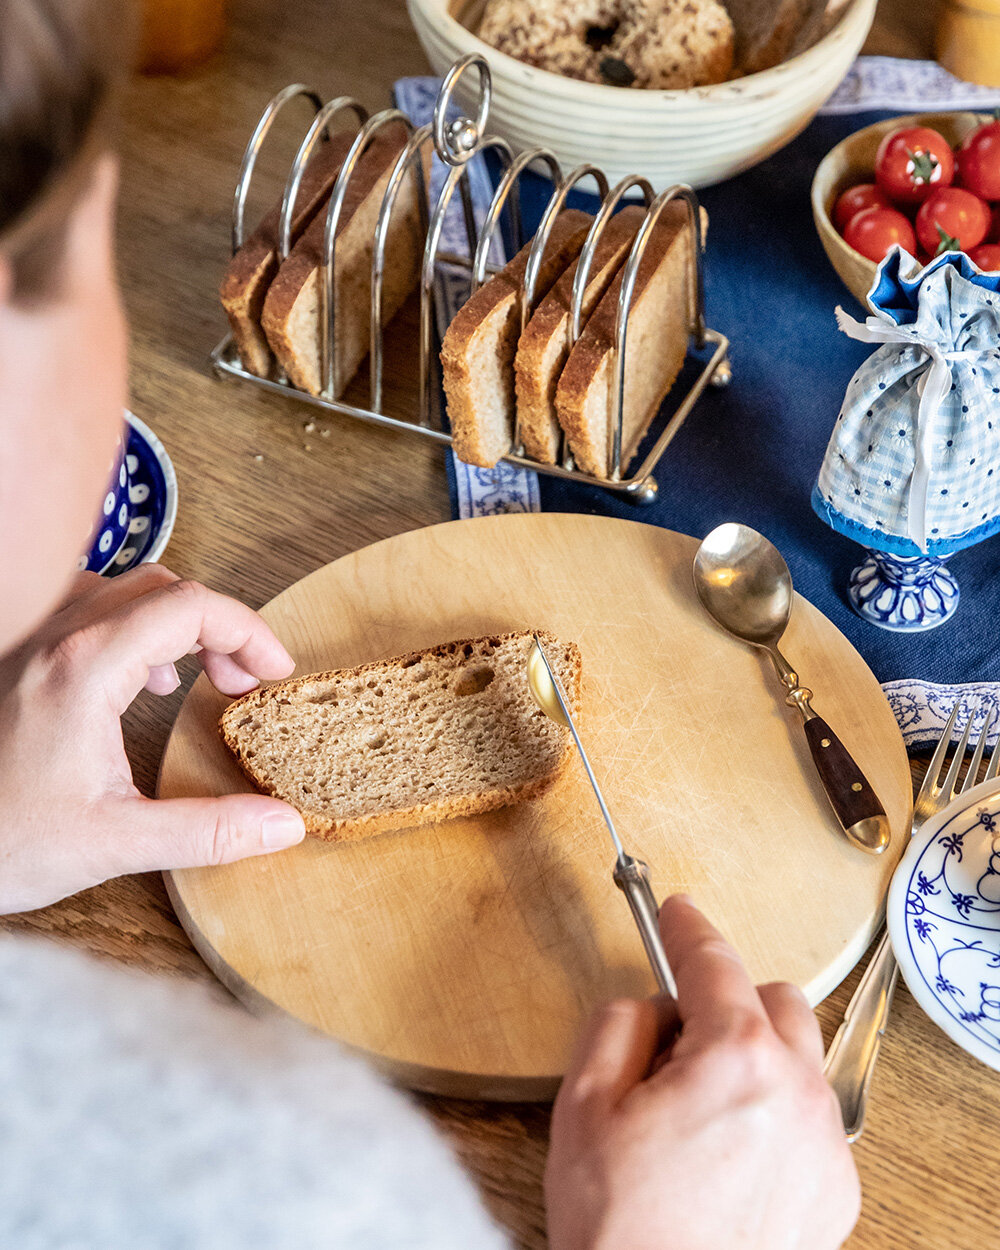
848	789
850	1061
631	876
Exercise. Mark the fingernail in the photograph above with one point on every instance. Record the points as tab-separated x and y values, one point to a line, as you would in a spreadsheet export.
686	899
282	829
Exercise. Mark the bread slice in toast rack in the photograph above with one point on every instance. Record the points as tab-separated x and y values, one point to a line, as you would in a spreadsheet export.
249	274
477	354
656	347
544	345
292	317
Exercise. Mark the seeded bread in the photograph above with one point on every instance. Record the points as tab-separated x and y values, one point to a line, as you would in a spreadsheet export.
477	354
544	345
662	44
450	731
655	349
250	272
291	315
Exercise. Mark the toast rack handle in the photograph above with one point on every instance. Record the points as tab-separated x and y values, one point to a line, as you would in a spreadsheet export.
631	876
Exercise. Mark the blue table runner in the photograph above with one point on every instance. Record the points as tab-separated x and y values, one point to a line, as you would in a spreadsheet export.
751	452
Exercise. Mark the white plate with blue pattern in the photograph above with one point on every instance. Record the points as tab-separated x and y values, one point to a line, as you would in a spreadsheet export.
943	914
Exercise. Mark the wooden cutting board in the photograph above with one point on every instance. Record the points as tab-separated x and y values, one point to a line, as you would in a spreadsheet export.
462	957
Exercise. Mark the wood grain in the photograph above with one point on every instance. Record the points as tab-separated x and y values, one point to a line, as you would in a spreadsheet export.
931	1152
463	957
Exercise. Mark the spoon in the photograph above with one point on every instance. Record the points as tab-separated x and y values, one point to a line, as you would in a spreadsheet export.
745	586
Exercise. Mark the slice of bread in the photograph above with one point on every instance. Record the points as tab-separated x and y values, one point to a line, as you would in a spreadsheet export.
291	315
450	731
250	272
766	30
477	354
544	345
655	349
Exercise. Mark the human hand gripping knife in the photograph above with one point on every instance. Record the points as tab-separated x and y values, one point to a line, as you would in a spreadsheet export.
630	875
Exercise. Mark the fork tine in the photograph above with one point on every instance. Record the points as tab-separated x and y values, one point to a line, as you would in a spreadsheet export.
994	765
977	754
928	787
980	745
949	787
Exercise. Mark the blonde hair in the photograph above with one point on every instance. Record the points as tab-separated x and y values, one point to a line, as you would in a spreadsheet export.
61	64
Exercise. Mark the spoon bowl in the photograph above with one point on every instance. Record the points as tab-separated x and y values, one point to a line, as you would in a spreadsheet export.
744	584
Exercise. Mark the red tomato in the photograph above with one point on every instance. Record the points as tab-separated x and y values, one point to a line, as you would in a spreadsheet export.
913	162
987	257
873	231
994	234
979	161
854	199
952	220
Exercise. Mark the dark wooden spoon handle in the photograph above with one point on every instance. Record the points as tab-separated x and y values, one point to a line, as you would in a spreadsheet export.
857	805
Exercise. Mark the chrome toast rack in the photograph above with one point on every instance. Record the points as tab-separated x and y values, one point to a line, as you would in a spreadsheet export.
456	141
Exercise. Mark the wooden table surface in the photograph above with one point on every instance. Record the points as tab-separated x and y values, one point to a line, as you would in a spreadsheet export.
251	526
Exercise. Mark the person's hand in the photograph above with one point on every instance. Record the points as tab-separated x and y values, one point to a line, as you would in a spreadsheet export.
70	816
705	1126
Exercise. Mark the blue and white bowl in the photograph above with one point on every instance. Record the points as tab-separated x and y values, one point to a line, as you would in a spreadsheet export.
943	914
140	506
116	512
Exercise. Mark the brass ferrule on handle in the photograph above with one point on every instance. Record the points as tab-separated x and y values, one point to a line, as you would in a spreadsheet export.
631	876
797	696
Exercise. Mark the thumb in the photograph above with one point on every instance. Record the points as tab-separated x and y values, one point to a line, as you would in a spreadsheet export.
161	834
613	1054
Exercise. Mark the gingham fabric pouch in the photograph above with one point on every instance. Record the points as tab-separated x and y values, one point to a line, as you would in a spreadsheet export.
913	463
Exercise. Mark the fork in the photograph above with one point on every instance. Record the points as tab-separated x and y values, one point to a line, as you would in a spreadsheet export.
851	1059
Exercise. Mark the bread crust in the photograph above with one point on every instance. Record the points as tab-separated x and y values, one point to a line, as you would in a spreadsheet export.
249	274
475	317
776	27
356	828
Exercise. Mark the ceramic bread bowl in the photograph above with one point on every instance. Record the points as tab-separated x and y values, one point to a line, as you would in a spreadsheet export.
699	136
853	161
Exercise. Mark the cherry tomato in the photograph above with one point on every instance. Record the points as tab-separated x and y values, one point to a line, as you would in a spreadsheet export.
952	220
854	199
979	161
873	231
912	162
987	257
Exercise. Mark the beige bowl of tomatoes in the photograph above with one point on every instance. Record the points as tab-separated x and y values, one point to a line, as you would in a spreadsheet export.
930	182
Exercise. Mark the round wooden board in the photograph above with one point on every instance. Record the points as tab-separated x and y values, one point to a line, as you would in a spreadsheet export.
461	957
